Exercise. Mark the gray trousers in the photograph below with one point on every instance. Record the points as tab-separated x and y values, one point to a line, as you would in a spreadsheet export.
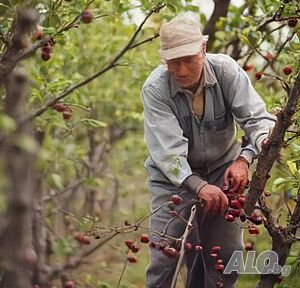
209	230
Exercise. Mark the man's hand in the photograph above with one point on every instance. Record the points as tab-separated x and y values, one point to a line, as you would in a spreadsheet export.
215	200
236	176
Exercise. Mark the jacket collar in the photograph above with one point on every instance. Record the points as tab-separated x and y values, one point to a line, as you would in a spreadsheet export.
209	79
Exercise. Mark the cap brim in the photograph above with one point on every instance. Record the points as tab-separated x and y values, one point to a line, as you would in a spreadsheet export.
181	51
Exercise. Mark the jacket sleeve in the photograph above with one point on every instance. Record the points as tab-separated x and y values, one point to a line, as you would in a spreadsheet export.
167	146
247	106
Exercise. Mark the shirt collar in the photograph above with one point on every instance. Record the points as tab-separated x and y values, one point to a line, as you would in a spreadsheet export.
209	79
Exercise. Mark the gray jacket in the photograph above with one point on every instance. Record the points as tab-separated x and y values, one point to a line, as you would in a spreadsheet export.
184	148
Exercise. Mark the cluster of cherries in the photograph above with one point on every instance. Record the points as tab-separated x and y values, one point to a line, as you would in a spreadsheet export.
64	109
47	49
235	210
134	247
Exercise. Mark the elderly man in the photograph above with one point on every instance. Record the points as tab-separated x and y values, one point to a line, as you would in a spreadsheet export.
192	105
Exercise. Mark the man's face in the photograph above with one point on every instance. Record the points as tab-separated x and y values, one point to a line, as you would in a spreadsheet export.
186	70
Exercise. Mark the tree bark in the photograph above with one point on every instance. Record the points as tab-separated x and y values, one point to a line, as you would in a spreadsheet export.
220	10
19	256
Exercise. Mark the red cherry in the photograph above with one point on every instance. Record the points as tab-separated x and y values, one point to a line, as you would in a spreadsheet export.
198	248
132	259
269	56
235	204
253	230
173	213
279	279
134	248
188	246
265	144
129	243
69	284
219	267
59	107
45	55
229	217
145	238
248	67
287	70
258	75
213	255
170	252
215	249
234	212
87	16
249	246
176	199
242	199
219	261
292	22
67	115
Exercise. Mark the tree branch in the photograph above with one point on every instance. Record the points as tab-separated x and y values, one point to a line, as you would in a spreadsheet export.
103	70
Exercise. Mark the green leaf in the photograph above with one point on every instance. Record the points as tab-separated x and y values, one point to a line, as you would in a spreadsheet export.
93	123
27	144
56	181
293	167
280	181
7	124
3	8
244	39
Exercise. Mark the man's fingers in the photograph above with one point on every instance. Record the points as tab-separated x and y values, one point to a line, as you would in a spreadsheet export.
226	177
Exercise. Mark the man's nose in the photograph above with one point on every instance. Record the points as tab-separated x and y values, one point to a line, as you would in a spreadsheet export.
181	70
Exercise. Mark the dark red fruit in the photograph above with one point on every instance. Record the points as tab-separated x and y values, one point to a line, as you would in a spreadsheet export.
253	230
219	267
170	252
249	246
248	67
292	22
134	248
219	261
45	55
129	243
279	279
265	144
59	107
234	212
176	199
145	238
258	75
287	70
155	245
213	255
256	219
269	56
235	204
69	284
188	246
215	249
198	248
229	217
87	16
242	200
132	259
173	213
67	115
